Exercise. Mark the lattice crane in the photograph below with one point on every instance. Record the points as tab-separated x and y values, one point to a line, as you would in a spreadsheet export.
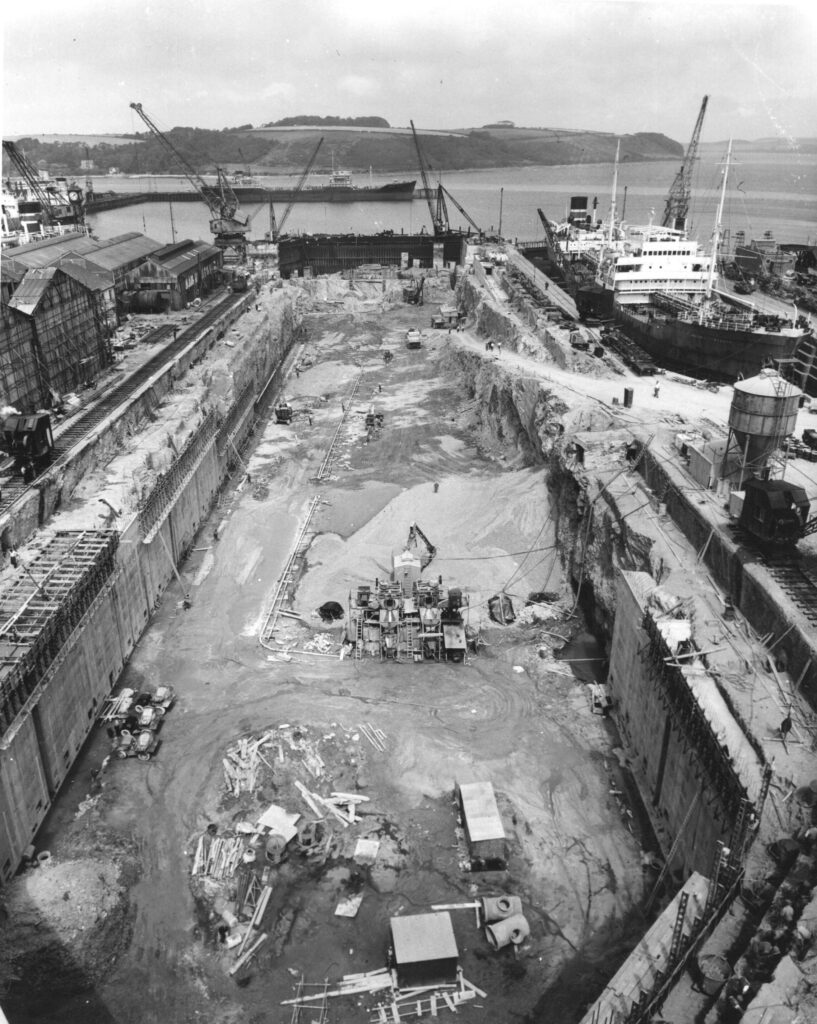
676	209
279	227
51	203
438	212
228	226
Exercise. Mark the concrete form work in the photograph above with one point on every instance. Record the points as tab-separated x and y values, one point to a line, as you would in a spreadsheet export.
483	452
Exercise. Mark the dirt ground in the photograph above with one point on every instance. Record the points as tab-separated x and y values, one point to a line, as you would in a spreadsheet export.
512	714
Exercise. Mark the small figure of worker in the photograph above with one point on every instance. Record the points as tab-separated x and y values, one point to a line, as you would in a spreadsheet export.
656	390
499	348
436	487
309	417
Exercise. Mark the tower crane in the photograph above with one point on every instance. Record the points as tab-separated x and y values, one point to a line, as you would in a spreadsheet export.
676	209
52	205
439	214
279	227
228	226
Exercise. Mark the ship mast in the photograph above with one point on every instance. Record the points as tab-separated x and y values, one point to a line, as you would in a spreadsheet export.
716	234
613	197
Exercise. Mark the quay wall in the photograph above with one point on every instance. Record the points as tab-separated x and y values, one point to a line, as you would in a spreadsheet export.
597	542
41	745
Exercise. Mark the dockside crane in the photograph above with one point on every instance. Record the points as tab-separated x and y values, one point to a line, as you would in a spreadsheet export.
277	228
51	203
228	226
676	209
438	212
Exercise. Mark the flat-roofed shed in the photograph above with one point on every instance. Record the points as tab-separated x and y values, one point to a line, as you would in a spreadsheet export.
425	949
483	824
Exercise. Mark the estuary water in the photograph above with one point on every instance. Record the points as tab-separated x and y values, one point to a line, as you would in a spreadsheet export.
774	192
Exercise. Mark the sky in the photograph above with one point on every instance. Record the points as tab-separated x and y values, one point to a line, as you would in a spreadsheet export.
609	65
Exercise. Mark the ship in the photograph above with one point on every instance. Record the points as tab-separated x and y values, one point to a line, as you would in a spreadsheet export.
660	286
339	188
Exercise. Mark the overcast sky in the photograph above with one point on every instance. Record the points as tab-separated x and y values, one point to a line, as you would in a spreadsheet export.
615	65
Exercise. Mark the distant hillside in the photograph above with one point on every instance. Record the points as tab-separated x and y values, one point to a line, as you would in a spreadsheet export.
386	150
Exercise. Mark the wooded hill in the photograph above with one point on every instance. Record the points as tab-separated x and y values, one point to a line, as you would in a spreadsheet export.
276	150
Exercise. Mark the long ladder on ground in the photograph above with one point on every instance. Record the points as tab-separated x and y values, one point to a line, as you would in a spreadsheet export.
288	575
331	451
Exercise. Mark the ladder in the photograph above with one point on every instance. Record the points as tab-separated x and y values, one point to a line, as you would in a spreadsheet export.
329	457
678	930
359	636
287	577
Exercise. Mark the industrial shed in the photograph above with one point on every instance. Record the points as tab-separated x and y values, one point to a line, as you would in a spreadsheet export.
425	950
176	275
483	827
53	339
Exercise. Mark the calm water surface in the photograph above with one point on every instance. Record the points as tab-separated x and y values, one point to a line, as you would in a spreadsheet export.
767	192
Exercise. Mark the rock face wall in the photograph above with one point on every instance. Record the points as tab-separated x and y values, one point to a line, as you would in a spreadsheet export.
213	408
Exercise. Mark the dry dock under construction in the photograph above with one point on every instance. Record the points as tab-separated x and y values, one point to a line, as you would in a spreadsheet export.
655	820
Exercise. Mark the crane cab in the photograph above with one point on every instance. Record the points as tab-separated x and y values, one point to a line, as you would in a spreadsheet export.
29	441
774	512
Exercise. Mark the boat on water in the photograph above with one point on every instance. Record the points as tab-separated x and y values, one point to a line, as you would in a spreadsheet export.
660	286
338	188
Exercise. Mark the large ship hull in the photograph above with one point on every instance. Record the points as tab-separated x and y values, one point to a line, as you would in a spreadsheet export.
391	192
702	350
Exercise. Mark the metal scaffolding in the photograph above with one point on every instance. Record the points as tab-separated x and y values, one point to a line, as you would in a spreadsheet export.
44	604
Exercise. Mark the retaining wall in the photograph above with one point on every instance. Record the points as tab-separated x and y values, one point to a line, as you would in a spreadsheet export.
39	748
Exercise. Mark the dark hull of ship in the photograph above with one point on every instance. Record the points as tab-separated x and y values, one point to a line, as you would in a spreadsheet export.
394	191
699	350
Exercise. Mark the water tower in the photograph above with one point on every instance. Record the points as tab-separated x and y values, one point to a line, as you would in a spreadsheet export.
762	415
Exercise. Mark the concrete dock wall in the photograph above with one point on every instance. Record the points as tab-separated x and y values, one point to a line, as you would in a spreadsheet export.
23	792
39	748
666	765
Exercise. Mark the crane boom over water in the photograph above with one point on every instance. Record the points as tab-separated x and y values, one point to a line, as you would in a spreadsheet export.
229	228
676	209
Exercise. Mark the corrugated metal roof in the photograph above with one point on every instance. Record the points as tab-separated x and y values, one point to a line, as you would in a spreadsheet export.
12	270
89	276
421	937
31	289
130	250
481	812
178	262
47	252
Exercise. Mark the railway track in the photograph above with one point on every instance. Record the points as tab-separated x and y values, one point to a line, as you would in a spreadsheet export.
799	584
12	489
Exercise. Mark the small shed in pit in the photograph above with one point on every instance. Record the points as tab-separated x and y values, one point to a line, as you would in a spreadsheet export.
425	949
483	826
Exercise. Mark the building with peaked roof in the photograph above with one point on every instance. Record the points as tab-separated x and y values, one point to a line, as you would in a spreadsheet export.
176	275
53	338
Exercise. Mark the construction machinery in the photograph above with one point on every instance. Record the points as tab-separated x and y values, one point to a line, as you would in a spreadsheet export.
142	745
676	209
52	206
284	412
228	225
414	339
417	541
407	616
438	211
776	513
28	440
413	291
276	228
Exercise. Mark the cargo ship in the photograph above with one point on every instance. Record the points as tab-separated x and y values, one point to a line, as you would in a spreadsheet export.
659	285
339	188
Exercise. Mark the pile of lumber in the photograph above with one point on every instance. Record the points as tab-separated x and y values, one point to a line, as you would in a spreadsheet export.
243	764
218	856
429	999
350	985
340	806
